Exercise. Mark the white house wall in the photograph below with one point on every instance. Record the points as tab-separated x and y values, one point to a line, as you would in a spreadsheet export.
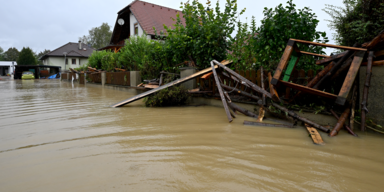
133	20
59	61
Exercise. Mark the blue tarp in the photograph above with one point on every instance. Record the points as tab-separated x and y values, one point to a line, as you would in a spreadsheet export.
52	77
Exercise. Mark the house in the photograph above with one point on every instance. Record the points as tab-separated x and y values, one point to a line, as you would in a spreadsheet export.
70	55
7	67
139	18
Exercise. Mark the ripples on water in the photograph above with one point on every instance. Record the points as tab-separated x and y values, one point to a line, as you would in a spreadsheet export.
56	136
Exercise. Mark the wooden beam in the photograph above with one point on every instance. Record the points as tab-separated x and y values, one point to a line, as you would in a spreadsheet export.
206	76
266	124
173	83
283	62
350	79
314	54
374	63
272	90
221	93
308	90
291	66
331	58
367	83
316	138
376	40
329	45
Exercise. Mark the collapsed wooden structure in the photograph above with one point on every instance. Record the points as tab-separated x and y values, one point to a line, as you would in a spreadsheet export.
348	62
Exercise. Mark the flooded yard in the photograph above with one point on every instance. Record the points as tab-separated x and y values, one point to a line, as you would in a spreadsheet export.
58	136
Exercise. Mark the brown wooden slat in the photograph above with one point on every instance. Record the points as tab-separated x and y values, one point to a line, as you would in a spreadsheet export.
283	62
176	82
314	54
374	63
350	79
206	76
308	90
329	45
329	59
316	138
223	99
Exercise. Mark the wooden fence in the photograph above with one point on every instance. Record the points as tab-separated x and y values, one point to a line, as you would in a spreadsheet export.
118	78
64	76
94	77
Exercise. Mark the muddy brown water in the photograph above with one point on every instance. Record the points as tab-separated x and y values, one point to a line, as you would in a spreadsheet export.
58	136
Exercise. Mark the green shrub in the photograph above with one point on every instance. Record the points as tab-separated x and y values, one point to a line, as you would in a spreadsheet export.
95	60
173	96
358	22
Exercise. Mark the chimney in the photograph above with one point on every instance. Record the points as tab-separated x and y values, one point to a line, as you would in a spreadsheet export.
79	44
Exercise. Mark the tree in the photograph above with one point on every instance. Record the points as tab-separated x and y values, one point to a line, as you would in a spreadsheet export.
204	36
39	62
2	54
358	22
26	57
98	36
281	24
11	54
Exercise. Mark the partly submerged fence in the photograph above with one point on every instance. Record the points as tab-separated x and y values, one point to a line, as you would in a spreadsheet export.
118	78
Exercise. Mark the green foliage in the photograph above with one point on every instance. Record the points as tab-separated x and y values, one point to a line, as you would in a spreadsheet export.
11	54
95	60
109	61
243	46
173	96
2	54
358	22
82	68
204	36
281	24
147	56
98	36
46	51
26	57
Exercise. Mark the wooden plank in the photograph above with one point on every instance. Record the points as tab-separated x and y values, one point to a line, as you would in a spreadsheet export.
206	76
316	138
176	82
379	53
291	66
308	90
314	54
367	83
376	40
283	62
244	80
374	63
266	124
350	78
328	45
272	90
151	86
216	77
331	58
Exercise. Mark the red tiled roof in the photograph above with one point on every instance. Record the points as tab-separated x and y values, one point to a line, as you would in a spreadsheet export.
151	15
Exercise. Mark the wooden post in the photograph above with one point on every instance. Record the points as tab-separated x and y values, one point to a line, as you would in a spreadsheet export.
262	84
350	79
294	115
221	93
272	89
283	62
340	123
367	83
345	126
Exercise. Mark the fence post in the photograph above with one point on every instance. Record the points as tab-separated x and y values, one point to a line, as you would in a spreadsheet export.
185	72
135	78
103	78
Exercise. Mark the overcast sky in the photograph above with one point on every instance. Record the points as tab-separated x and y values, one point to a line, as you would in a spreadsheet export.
49	24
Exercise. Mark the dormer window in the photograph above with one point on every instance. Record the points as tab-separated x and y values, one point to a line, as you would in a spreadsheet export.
136	28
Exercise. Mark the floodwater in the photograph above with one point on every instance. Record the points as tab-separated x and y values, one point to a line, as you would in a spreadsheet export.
56	136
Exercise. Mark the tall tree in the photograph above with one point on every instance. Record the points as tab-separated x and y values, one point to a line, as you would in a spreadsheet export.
26	57
98	36
39	62
11	54
1	54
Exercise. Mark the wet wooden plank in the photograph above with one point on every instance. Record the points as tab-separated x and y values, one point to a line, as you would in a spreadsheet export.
206	76
266	124
216	77
376	40
328	45
176	82
314	54
316	138
291	66
308	90
283	62
272	90
350	79
374	63
331	58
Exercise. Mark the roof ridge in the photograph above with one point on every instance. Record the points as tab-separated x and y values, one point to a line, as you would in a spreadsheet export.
145	2
75	52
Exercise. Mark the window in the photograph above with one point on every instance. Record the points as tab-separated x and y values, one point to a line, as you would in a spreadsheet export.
73	61
66	61
136	27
